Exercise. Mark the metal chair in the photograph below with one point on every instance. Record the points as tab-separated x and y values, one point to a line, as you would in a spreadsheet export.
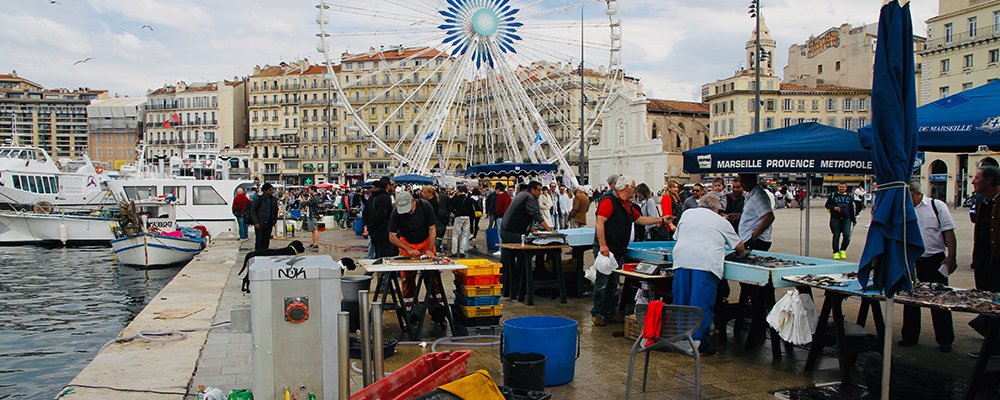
679	324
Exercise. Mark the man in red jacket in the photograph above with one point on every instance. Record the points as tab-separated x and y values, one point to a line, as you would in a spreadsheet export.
502	203
240	204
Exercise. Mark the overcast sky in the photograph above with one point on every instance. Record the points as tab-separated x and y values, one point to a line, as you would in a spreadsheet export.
673	46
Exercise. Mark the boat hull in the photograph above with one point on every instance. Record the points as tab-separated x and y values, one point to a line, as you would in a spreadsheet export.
155	250
22	228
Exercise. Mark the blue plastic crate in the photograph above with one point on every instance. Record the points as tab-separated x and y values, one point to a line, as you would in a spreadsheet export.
476	301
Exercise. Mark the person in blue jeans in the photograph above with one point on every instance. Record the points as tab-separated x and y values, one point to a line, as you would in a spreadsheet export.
842	219
615	216
240	204
703	238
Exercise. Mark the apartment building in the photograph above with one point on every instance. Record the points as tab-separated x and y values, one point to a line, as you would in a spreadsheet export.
204	114
51	119
114	126
680	126
298	122
962	52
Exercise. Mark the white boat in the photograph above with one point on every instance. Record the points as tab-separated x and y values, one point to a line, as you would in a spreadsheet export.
206	203
25	227
29	177
153	250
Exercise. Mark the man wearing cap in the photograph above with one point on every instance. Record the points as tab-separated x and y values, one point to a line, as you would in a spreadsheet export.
412	229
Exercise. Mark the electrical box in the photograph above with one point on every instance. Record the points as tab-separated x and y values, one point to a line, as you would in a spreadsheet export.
294	301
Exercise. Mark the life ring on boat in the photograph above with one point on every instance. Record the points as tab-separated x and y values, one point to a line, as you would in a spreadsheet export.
58	164
42	207
98	168
208	163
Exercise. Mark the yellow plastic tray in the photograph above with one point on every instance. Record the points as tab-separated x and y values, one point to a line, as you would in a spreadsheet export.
483	290
479	267
482	311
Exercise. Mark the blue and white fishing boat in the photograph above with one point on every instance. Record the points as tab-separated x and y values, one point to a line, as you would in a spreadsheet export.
149	236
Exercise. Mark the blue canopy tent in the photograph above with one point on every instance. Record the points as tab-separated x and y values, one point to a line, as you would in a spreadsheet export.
508	169
804	148
413	179
959	123
893	243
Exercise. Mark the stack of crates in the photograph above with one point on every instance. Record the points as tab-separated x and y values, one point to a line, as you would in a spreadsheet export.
477	307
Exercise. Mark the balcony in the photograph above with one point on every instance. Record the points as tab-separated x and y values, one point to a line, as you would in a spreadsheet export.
962	38
292	86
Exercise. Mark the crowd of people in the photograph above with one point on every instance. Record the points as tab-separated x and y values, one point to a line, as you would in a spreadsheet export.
705	220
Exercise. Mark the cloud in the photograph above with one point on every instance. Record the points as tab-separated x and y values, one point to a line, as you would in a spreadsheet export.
22	32
674	46
176	14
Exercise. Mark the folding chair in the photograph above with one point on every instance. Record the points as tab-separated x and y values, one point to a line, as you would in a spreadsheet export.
679	323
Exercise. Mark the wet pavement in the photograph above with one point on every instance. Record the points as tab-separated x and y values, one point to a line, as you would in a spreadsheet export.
734	373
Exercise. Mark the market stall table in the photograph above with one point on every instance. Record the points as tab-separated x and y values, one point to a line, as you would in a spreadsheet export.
581	240
428	275
762	273
519	278
838	288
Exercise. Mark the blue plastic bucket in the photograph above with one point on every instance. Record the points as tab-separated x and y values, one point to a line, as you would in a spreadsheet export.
555	337
493	239
359	226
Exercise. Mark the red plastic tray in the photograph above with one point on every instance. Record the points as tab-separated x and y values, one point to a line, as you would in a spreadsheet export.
418	377
476	280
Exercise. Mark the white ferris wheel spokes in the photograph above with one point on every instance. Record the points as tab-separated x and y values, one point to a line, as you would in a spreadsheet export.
500	76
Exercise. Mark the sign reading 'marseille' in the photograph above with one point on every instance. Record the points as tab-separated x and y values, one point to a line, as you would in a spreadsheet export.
780	164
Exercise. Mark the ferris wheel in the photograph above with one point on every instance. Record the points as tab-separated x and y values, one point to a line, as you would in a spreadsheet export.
502	76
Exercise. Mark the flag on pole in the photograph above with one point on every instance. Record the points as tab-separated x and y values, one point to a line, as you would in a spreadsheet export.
427	137
538	141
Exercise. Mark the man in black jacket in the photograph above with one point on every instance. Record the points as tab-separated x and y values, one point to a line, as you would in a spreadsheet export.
463	208
376	218
842	219
264	211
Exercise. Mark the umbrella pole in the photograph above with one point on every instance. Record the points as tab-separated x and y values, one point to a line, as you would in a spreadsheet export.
887	349
808	199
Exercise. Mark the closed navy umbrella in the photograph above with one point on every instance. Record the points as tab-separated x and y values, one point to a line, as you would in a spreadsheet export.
893	243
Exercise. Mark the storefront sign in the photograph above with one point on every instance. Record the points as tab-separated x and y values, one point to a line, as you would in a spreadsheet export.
828	39
938	178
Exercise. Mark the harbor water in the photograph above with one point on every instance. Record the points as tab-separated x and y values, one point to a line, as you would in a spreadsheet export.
59	307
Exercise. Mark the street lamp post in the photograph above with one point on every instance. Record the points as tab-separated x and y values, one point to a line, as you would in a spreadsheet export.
755	14
583	136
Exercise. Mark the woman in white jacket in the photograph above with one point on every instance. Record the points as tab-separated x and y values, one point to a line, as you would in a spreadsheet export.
545	204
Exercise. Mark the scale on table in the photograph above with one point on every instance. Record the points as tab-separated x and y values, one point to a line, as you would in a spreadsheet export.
546	238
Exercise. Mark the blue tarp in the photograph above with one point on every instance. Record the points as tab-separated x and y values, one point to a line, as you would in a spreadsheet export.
959	123
804	148
413	179
893	243
503	169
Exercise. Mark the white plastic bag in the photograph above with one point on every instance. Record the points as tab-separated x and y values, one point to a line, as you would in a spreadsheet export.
591	274
605	264
794	317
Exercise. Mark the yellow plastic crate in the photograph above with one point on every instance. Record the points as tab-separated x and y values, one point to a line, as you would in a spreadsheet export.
478	267
482	290
482	311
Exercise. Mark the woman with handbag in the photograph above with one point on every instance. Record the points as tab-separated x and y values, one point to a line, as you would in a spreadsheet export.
477	204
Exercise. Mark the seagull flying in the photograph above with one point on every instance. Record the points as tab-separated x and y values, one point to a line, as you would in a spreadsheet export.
146	27
54	2
83	61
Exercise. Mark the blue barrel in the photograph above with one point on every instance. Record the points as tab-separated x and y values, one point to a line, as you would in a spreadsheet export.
555	337
493	239
359	226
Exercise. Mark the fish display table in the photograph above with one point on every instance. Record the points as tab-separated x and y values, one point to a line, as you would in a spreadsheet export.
767	268
389	289
581	240
838	287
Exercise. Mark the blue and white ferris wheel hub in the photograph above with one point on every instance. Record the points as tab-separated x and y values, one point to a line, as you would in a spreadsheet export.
484	27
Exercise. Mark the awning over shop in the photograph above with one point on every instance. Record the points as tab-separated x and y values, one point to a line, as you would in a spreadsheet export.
804	148
413	179
959	123
509	169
